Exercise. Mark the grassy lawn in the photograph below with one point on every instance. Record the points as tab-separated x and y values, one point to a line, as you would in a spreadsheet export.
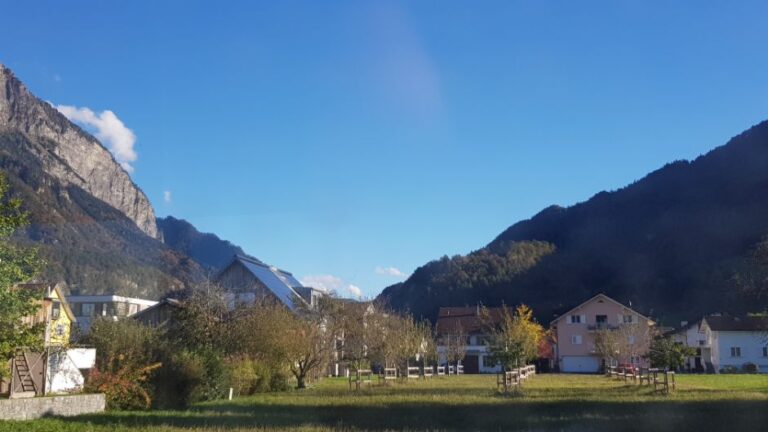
548	402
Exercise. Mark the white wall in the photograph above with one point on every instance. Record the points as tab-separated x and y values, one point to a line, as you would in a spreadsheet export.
63	374
751	344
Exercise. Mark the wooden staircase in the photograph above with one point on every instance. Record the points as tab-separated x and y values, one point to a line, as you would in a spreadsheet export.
22	383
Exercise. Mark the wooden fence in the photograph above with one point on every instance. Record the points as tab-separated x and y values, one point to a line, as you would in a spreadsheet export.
508	380
662	380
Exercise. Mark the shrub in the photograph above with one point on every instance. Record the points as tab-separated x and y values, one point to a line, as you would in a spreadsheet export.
729	369
242	376
124	389
749	368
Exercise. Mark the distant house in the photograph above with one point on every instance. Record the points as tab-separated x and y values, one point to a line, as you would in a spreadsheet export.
469	322
86	308
575	331
247	280
159	313
59	367
689	334
734	343
54	313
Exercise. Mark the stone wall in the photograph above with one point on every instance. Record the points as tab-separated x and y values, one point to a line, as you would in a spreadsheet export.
65	406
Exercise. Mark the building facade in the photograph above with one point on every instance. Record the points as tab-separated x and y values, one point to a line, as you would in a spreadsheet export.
575	349
735	344
468	324
87	308
248	280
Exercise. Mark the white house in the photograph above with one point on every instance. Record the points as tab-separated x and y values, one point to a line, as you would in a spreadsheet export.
86	308
691	335
735	343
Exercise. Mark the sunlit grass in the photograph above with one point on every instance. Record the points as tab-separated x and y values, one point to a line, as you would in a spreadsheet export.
546	402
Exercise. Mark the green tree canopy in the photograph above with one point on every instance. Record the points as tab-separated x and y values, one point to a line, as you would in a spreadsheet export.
17	264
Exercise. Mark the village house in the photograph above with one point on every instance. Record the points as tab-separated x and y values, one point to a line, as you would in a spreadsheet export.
87	308
247	280
689	334
575	334
469	323
58	368
734	344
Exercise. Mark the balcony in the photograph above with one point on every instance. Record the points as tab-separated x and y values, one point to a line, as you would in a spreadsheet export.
602	326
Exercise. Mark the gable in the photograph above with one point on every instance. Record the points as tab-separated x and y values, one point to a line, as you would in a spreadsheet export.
599	298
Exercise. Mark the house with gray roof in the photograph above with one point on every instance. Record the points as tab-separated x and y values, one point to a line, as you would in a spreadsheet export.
247	280
735	344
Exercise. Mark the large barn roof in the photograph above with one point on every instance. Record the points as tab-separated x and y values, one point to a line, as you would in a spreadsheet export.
281	283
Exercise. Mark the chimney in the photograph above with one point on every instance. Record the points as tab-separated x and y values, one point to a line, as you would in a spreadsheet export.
683	324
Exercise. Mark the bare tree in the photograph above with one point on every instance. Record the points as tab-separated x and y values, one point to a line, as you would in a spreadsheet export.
455	344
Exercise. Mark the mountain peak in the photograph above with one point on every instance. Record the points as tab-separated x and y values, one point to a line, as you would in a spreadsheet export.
68	153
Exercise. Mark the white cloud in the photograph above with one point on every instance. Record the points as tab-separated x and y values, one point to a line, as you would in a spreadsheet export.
331	283
109	129
167	197
390	271
355	291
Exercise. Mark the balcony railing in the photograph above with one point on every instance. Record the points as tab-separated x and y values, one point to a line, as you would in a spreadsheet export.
602	326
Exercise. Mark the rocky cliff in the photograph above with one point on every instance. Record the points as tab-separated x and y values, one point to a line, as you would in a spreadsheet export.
69	154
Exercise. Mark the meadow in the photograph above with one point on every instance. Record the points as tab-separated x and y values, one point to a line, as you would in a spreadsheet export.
547	402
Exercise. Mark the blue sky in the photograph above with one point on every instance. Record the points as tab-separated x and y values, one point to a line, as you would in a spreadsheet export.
350	142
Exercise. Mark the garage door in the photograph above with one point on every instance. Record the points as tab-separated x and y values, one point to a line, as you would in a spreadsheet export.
580	364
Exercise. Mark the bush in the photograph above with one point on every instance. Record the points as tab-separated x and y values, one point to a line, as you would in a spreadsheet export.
729	369
189	377
123	390
749	368
242	376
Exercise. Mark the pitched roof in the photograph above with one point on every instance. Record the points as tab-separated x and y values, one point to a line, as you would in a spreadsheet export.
730	323
279	282
464	319
593	298
47	291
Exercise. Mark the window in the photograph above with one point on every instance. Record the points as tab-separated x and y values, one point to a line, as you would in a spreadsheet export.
87	309
765	351
576	339
601	319
60	330
735	351
628	319
631	340
55	310
575	319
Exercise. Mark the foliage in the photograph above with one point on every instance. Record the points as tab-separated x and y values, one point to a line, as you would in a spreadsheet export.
126	358
466	279
123	389
17	264
667	354
515	340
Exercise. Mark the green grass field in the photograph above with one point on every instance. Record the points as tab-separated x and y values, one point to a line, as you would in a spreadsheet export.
547	402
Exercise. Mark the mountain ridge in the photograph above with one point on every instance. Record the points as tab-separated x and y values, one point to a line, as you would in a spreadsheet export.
677	243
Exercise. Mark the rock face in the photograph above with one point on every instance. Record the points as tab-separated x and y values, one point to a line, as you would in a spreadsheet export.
69	154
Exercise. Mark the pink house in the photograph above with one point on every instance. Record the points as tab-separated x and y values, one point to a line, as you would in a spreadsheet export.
576	329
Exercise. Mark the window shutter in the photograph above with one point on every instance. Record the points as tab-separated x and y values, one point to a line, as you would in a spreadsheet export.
569	320
583	319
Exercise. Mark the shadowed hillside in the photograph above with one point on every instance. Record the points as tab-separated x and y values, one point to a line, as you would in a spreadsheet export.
683	241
